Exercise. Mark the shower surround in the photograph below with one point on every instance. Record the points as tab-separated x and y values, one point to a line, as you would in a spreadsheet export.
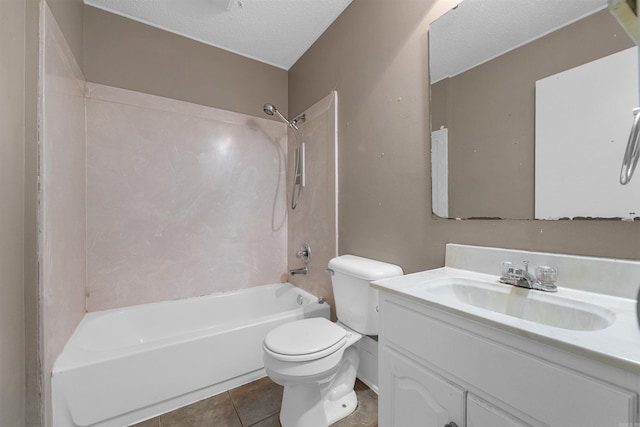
314	220
182	199
62	199
146	199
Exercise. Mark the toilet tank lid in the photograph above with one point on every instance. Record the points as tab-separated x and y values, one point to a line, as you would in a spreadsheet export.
364	268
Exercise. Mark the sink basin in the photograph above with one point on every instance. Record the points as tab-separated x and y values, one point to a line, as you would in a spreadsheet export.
534	306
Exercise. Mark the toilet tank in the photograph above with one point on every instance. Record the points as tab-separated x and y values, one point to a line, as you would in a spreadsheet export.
356	301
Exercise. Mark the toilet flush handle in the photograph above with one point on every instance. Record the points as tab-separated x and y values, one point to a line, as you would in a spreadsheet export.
330	271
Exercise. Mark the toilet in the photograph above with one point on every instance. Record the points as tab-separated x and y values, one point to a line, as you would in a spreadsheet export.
315	359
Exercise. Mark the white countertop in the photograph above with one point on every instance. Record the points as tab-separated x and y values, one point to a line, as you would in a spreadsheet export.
617	344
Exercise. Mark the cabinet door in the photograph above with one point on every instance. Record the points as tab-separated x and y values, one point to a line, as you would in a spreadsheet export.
483	414
413	396
549	393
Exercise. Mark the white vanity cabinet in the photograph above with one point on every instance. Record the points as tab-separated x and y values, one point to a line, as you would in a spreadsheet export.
439	368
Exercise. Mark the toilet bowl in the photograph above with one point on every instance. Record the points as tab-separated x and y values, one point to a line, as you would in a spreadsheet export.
315	359
318	376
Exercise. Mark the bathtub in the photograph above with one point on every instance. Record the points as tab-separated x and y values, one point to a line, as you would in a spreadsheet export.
125	365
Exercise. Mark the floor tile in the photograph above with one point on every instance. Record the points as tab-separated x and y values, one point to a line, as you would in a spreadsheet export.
257	400
359	385
215	411
272	421
257	404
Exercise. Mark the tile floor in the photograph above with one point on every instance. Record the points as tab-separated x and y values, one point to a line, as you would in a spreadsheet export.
256	404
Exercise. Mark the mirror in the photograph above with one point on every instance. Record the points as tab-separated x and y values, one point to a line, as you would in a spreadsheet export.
518	132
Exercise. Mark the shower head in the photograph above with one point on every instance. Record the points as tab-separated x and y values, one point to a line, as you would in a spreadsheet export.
270	110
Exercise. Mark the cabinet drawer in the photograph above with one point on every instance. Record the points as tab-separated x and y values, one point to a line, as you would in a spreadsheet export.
549	393
483	414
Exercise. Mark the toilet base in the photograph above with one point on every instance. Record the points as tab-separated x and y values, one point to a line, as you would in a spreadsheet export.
297	412
322	404
337	410
302	406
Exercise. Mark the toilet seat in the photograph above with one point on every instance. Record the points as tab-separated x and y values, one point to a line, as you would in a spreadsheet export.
304	340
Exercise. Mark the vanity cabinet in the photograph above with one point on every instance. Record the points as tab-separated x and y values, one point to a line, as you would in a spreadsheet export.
419	397
438	367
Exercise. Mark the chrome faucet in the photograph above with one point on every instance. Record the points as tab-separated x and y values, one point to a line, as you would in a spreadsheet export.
303	270
305	255
524	279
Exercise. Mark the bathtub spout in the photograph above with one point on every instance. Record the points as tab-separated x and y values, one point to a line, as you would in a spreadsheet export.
303	270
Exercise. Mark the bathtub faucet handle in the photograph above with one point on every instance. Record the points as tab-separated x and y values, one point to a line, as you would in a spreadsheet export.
304	253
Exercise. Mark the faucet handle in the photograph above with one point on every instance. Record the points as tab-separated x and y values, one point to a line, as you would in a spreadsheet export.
506	268
526	265
546	274
304	253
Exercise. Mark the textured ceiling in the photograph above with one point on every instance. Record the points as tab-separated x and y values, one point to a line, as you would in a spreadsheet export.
276	32
479	30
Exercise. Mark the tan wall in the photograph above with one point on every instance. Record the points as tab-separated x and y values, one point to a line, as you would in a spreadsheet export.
490	113
127	54
12	121
69	16
33	371
375	55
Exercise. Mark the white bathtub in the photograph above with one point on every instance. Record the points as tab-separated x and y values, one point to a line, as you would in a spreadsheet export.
122	366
